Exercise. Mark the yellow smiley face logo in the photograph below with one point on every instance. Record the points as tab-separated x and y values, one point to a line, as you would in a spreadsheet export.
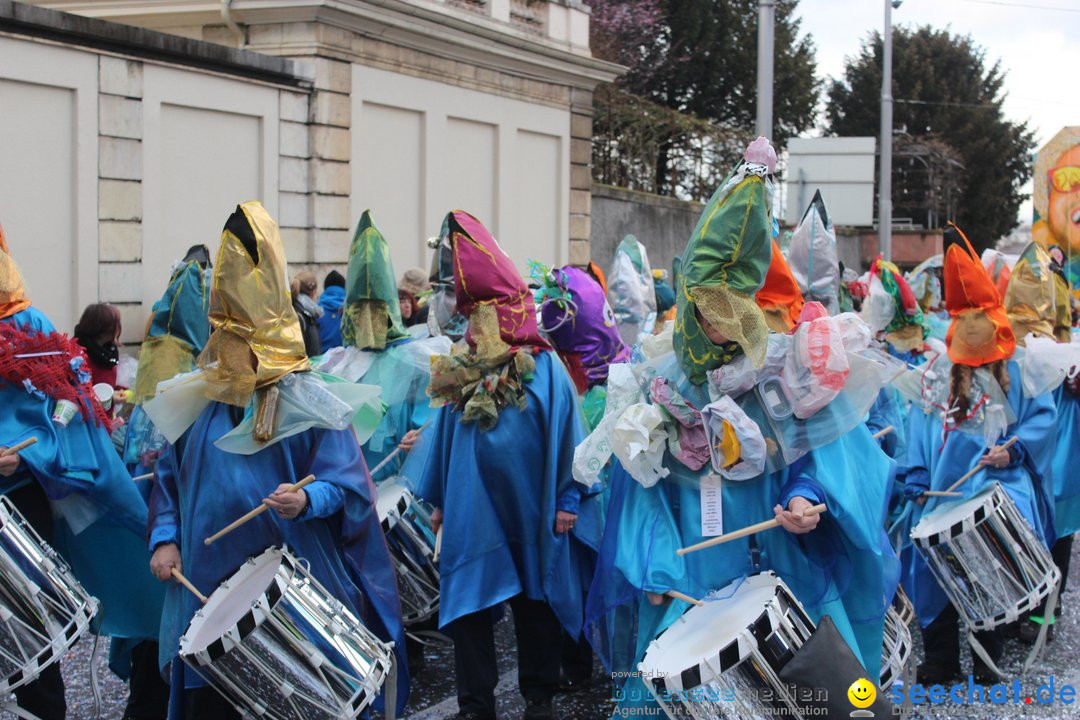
862	693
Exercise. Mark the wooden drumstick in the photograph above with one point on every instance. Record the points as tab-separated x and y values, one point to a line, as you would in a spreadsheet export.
187	583
394	453
977	468
883	432
942	493
140	478
256	512
684	597
751	530
21	446
438	544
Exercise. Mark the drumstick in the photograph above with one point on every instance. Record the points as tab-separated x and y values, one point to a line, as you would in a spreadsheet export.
187	583
977	468
438	544
394	453
942	493
21	446
140	478
256	512
883	432
752	529
682	596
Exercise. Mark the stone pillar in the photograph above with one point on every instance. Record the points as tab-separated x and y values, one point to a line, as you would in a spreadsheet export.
331	174
120	174
581	115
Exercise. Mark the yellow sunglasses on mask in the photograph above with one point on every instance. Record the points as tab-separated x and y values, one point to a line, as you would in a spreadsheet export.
1065	179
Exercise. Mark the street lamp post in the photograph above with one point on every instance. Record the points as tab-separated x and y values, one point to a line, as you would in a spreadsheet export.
885	181
766	20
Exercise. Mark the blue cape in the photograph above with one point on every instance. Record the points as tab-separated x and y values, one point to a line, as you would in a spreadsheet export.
200	489
1026	480
1065	463
78	467
499	490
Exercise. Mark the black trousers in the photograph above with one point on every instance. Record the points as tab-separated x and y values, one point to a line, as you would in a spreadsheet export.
206	703
539	645
941	640
43	696
577	658
148	695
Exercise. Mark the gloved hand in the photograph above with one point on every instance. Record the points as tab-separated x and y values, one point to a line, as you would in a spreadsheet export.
916	483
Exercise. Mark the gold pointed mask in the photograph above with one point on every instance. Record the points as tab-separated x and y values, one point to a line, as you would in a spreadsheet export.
12	291
256	337
1029	299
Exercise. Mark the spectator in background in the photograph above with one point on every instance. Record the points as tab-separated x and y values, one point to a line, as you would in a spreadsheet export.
410	308
331	301
303	290
98	331
415	281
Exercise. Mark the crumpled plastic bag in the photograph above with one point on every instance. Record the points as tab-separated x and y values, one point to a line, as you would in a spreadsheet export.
593	453
662	343
1046	364
736	444
348	363
740	375
177	403
879	307
855	334
638	440
688	443
817	368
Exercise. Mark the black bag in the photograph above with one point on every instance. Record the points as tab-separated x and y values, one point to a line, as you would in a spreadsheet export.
823	670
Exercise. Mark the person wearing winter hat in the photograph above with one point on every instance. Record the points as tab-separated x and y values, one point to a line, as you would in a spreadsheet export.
656	494
331	301
970	397
235	455
516	526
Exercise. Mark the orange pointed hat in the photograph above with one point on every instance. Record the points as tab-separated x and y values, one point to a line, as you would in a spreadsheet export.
980	332
12	290
780	297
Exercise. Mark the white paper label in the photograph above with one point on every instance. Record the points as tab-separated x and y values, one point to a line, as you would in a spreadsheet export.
712	509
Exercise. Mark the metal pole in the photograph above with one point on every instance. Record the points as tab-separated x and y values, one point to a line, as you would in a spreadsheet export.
885	181
766	20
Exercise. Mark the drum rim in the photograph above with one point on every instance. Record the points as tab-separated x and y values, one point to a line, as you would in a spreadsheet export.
991	499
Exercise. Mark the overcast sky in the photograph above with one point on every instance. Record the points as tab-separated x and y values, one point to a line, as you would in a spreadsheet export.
1038	46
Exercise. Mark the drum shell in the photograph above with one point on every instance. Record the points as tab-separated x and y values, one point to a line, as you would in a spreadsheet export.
43	608
990	564
296	654
896	648
406	522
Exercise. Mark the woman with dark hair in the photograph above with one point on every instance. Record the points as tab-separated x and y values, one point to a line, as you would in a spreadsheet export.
98	331
410	308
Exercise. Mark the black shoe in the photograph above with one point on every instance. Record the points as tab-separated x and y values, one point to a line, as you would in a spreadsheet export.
934	673
572	685
468	715
1029	632
983	675
538	710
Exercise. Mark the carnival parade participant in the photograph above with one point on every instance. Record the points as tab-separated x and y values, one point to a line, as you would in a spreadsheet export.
98	331
226	462
839	564
631	292
378	350
73	489
331	301
177	331
1038	304
308	312
965	414
516	528
813	257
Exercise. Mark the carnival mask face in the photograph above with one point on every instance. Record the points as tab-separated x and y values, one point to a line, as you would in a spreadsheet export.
907	338
975	333
1063	213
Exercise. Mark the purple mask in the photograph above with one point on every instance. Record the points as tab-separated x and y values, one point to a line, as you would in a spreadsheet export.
585	327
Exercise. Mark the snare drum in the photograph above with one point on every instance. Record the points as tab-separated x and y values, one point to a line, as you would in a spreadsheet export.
902	605
43	608
275	643
895	649
406	521
986	558
723	659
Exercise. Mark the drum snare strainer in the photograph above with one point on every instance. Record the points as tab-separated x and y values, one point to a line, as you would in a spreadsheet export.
987	558
723	659
278	645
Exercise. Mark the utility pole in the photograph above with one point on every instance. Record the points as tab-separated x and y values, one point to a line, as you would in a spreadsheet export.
766	22
885	181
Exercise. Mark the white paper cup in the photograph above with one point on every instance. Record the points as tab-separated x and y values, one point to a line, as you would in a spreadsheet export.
104	392
63	413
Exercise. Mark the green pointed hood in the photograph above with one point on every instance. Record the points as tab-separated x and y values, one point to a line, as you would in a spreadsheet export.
372	317
723	266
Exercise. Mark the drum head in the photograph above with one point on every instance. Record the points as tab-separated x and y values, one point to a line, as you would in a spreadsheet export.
945	516
231	601
705	629
389	493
